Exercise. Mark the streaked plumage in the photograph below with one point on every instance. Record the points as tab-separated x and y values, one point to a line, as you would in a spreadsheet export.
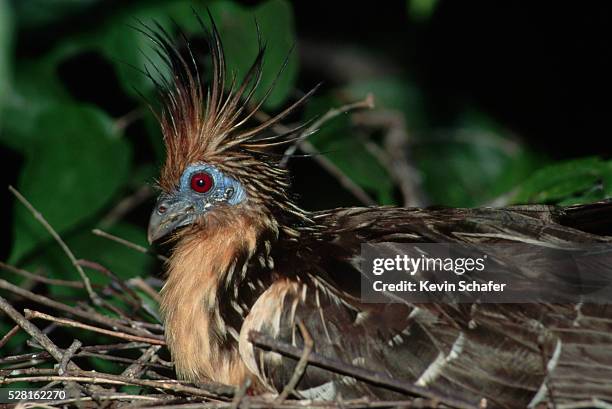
258	262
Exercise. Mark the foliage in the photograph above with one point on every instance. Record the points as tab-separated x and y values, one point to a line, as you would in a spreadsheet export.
75	141
78	161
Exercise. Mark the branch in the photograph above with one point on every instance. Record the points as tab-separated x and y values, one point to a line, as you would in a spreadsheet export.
6	338
126	205
375	378
142	285
367	103
135	300
75	324
204	390
394	157
136	368
241	393
68	354
33	331
325	163
88	315
90	350
38	216
301	365
128	243
39	278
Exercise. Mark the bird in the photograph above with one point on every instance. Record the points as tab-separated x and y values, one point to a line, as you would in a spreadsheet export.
245	257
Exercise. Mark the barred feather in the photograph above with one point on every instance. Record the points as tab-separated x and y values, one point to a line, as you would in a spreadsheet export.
237	273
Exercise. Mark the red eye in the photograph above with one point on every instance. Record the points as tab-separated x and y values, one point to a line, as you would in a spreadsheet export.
201	182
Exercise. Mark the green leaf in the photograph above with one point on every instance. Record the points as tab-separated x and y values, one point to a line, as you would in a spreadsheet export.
473	164
130	50
74	169
36	89
32	13
568	182
338	143
6	31
421	10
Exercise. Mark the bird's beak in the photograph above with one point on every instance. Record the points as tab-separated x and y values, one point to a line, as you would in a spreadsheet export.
168	216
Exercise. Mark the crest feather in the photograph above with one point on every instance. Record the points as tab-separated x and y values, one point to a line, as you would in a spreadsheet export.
203	122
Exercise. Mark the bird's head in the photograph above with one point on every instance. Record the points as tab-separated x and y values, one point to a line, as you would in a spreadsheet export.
217	166
201	188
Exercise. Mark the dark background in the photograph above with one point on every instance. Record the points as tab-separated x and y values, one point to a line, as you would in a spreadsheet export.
502	102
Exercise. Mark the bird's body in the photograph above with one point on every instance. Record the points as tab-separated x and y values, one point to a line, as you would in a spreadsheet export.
246	258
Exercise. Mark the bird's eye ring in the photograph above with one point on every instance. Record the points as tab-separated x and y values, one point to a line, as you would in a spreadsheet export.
201	182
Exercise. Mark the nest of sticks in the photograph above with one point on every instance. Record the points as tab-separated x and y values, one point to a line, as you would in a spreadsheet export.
113	324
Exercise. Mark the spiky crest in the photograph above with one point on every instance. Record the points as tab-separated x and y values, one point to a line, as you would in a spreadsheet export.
204	123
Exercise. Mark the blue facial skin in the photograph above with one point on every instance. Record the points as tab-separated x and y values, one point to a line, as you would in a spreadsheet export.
224	189
183	206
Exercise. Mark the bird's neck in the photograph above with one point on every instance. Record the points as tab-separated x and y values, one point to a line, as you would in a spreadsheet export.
203	271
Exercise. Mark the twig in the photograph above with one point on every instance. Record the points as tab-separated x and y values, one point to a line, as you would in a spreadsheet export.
336	172
9	335
90	316
324	162
75	324
367	103
126	205
300	368
240	393
33	331
263	403
128	243
145	287
38	216
136	368
127	119
205	390
68	354
85	351
100	268
101	396
394	156
372	377
39	278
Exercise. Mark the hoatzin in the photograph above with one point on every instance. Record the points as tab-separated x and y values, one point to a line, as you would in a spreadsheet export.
246	257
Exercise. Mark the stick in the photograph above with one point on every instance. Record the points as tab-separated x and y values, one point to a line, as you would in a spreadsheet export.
301	365
205	390
367	103
9	335
137	367
33	331
126	205
145	287
68	354
39	278
240	393
85	351
75	324
394	156
325	163
128	243
91	316
38	216
334	365
100	268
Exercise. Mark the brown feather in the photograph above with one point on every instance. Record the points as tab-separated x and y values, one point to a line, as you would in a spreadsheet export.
196	270
264	264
